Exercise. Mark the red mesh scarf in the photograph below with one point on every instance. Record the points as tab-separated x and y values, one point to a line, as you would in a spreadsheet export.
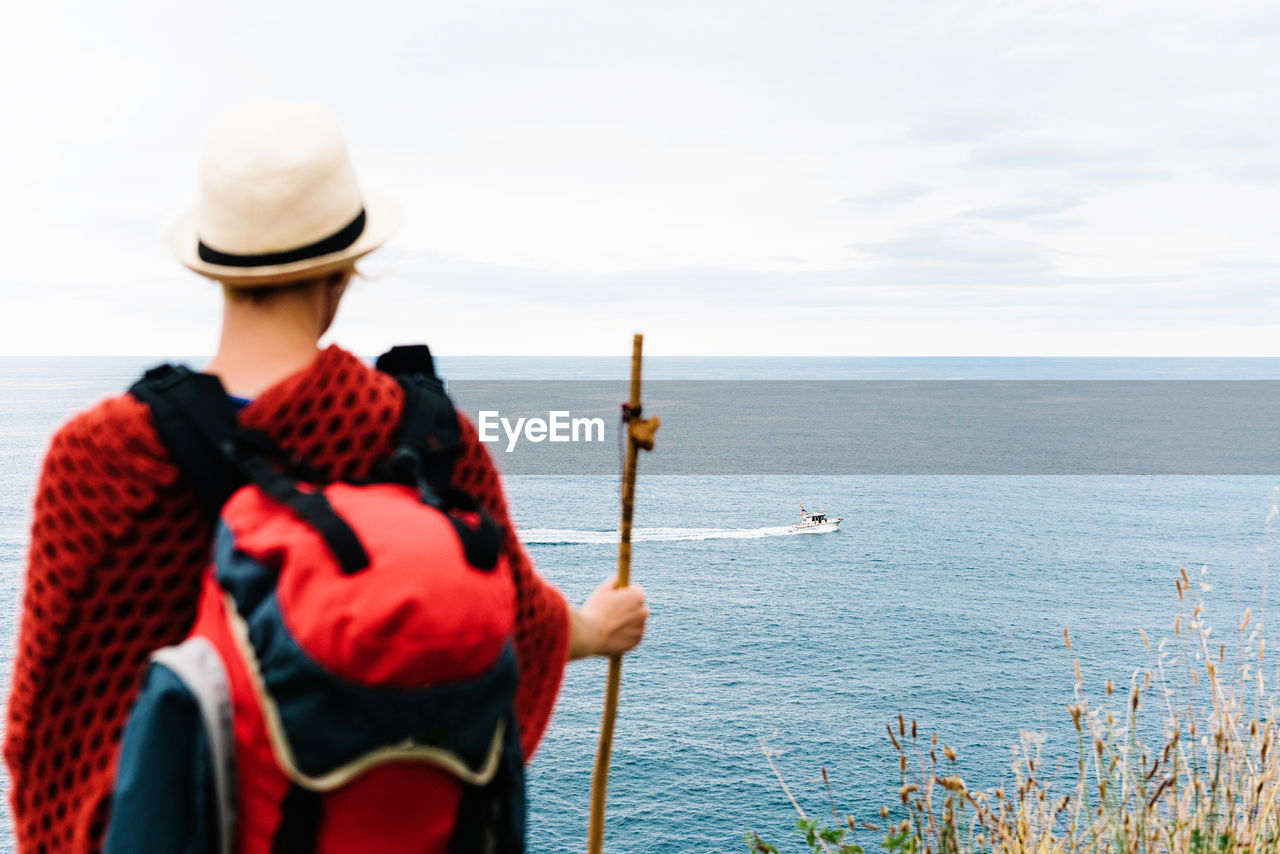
117	553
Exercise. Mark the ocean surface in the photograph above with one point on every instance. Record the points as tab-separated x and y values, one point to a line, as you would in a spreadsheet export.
942	598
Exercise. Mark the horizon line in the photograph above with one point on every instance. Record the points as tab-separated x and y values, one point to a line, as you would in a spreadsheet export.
661	356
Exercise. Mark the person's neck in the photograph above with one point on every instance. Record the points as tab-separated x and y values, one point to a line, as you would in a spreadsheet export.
259	348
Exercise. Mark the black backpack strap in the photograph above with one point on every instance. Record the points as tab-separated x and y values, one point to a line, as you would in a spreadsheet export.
300	817
195	420
197	423
491	818
429	436
314	509
428	442
408	359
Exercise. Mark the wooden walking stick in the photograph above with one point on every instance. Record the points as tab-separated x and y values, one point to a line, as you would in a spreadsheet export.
640	434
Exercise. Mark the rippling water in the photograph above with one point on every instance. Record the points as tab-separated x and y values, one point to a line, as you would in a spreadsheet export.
568	537
941	597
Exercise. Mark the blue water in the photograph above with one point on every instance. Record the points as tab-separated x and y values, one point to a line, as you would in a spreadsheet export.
942	598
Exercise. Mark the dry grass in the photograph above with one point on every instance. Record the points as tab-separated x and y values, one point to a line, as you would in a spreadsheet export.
1208	781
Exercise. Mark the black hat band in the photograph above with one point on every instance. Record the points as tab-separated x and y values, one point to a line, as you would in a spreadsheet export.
335	242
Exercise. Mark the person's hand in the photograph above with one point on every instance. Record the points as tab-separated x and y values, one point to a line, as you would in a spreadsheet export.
610	622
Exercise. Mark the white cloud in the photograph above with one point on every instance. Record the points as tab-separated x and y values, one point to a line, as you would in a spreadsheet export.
1033	207
895	194
972	123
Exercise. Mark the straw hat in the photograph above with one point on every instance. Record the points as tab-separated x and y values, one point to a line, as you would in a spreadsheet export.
279	201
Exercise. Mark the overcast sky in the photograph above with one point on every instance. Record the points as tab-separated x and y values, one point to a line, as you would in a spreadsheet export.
858	178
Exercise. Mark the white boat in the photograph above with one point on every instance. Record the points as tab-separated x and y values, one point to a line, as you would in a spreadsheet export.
816	523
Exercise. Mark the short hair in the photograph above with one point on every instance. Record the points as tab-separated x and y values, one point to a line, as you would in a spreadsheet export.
259	294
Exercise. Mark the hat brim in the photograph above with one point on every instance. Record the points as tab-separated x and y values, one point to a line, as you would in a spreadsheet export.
382	219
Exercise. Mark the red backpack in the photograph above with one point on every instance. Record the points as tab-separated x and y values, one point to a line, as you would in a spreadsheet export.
348	684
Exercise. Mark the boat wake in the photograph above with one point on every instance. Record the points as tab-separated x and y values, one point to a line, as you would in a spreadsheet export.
565	537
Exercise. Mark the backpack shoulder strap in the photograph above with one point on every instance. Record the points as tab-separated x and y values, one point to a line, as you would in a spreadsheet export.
196	421
428	443
197	424
429	436
408	359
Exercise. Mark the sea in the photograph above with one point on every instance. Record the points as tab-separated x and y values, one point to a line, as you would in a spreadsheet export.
941	598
